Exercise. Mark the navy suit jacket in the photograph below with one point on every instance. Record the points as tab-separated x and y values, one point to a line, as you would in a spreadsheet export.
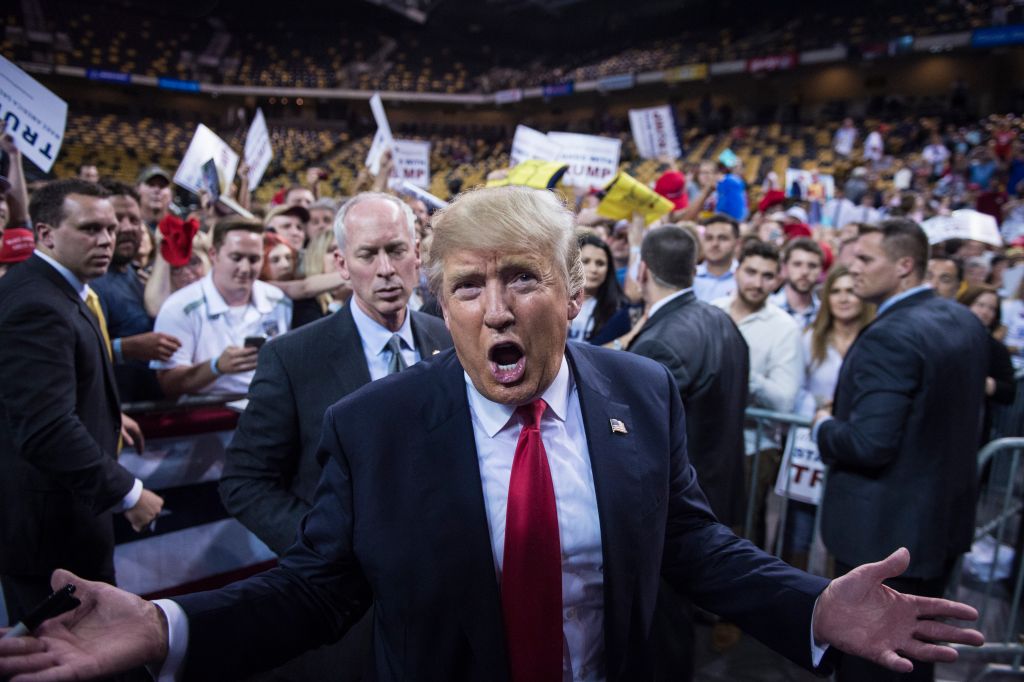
399	525
902	447
271	472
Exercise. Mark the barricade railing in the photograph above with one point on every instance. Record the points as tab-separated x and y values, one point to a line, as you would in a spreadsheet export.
1001	485
763	420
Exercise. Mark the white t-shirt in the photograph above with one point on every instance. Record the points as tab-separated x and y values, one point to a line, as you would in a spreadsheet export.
205	324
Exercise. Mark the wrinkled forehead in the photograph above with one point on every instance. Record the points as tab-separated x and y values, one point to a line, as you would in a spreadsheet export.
467	262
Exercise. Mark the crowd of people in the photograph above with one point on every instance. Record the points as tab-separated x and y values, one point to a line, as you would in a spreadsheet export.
826	303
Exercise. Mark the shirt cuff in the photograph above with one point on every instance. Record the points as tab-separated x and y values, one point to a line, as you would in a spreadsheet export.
817	427
177	641
818	649
132	498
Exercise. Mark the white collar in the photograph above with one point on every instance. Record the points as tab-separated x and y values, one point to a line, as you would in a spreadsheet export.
493	417
216	305
80	287
655	307
374	335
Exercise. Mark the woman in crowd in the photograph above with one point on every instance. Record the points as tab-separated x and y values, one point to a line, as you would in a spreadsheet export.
1000	385
278	259
841	317
320	259
604	315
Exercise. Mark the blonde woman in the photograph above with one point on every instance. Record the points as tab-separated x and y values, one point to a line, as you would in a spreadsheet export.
319	258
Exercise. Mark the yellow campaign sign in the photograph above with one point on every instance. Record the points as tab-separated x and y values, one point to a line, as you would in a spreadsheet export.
689	72
624	195
533	173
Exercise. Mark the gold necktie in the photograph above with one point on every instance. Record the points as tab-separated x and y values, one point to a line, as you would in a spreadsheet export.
92	302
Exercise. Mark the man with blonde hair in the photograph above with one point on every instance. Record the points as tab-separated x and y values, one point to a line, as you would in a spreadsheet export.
515	524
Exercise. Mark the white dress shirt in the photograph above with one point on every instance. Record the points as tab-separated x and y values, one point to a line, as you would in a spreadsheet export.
496	432
375	339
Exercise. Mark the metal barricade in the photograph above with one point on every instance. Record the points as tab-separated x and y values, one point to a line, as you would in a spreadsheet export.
763	420
1001	478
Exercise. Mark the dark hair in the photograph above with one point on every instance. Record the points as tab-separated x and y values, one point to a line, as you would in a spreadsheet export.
47	204
756	247
232	223
723	218
609	295
973	293
955	261
119	189
801	244
902	238
671	255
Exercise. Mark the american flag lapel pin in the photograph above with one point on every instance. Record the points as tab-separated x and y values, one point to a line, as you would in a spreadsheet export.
617	426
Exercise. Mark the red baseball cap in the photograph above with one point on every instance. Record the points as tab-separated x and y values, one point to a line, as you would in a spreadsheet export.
176	247
672	186
16	245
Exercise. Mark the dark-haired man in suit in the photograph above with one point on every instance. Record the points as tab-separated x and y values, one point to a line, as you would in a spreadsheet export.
908	408
60	417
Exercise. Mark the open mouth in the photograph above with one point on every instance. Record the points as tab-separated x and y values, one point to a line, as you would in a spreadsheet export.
507	362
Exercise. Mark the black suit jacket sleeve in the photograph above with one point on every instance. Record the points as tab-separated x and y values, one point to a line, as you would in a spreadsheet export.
263	457
765	596
313	598
661	352
38	355
887	376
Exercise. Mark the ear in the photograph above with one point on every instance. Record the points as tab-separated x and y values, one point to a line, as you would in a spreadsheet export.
905	266
44	234
342	265
575	304
641	273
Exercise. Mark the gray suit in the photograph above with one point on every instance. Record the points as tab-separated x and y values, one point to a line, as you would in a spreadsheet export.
271	472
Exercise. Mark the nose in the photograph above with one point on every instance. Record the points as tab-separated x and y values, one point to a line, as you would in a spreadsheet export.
497	314
385	268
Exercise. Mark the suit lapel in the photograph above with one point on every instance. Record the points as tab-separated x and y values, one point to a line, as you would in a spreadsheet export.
349	362
426	345
613	459
450	473
48	272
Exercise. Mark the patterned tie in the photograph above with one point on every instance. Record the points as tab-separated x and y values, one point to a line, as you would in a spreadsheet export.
531	575
92	302
396	363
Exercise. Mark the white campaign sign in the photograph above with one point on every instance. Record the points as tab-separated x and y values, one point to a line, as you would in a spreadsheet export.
258	152
593	160
33	116
804	466
206	145
382	140
654	131
412	163
532	144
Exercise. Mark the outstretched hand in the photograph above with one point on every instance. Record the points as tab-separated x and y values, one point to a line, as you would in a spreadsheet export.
111	631
859	615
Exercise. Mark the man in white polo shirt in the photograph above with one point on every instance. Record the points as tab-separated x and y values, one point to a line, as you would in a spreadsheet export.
214	316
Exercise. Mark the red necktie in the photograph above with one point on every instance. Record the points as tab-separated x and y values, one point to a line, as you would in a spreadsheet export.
531	576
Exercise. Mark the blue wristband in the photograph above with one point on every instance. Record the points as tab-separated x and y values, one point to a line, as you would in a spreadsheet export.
213	366
118	355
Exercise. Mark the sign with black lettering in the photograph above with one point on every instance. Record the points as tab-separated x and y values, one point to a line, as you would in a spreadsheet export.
32	115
